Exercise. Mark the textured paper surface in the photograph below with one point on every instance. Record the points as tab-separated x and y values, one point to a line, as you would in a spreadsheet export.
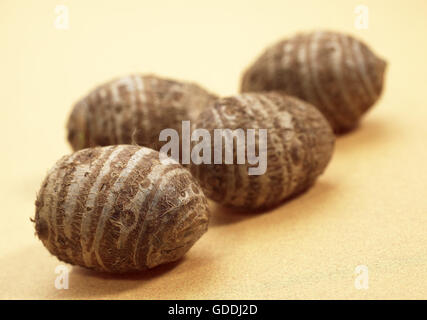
369	208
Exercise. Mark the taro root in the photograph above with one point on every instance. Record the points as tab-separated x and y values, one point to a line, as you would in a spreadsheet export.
299	145
336	73
119	209
134	110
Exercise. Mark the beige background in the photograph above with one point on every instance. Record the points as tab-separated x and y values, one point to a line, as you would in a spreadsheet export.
370	206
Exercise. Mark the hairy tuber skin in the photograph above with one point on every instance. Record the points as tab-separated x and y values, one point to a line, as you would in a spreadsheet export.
300	144
118	209
336	73
134	110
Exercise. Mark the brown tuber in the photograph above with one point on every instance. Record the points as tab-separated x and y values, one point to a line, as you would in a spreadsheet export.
300	143
336	73
133	110
119	209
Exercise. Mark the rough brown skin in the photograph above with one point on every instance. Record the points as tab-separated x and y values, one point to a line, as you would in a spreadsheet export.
118	209
133	110
336	73
300	143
